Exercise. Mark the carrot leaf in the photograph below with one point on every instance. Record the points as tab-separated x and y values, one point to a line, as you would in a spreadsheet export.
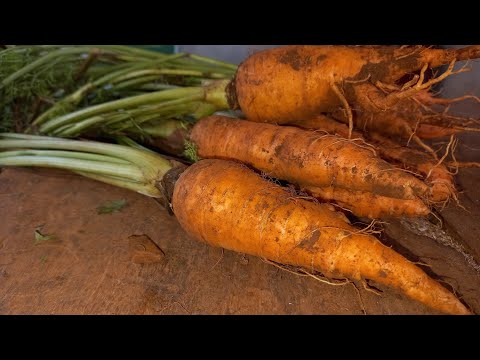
112	206
39	237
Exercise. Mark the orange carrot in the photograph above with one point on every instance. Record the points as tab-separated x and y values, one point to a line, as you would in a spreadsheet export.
425	131
435	174
366	204
213	138
304	157
297	82
227	205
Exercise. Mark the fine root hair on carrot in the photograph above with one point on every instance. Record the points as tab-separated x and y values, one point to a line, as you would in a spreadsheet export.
219	259
452	288
305	273
414	131
460	165
269	178
444	119
415	173
457	165
365	231
341	207
393	98
445	101
442	159
371	288
416	49
421	263
359	141
348	81
326	77
424	146
346	107
370	228
362	305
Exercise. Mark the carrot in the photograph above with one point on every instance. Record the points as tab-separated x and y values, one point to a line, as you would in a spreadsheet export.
298	82
171	136
226	205
366	204
425	131
291	82
303	157
412	119
435	174
408	121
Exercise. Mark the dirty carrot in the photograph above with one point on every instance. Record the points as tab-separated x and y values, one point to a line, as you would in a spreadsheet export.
270	224
351	83
367	204
296	82
435	174
303	157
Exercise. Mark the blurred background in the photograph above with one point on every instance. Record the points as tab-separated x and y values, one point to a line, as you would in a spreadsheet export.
231	53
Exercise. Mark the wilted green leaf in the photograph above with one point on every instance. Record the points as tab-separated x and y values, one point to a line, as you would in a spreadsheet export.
39	237
112	206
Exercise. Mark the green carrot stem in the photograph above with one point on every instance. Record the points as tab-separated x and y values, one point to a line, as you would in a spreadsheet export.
64	105
164	129
134	51
151	163
176	72
136	81
126	171
142	188
214	62
201	68
125	140
190	93
135	116
136	66
63	154
71	130
156	87
19	136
